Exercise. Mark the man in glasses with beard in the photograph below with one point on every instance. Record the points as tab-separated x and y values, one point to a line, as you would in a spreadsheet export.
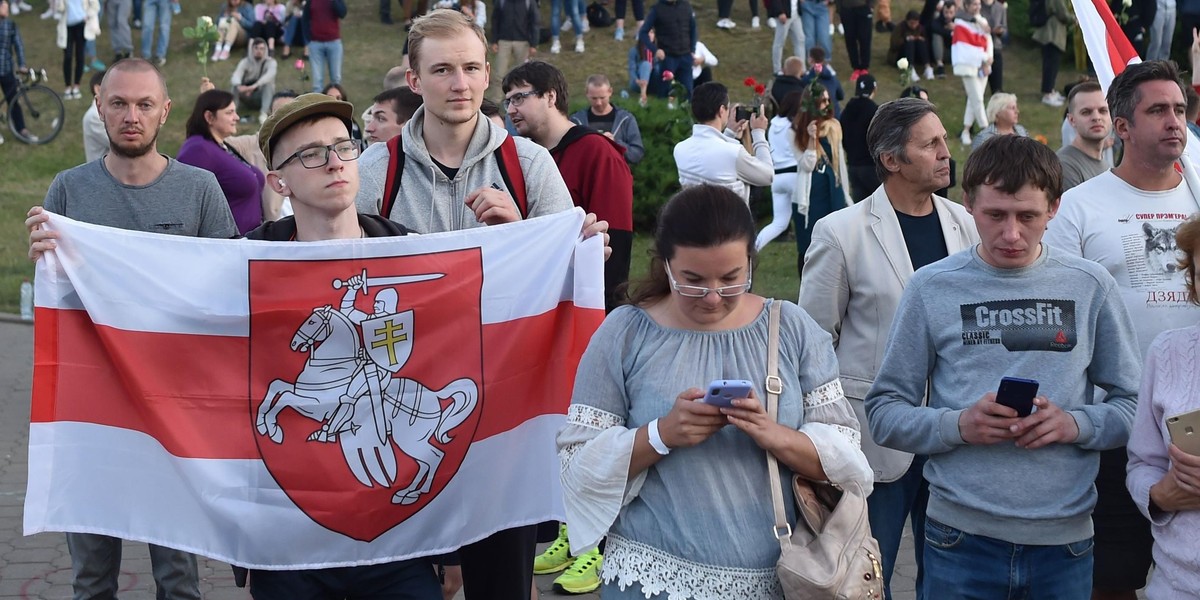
133	187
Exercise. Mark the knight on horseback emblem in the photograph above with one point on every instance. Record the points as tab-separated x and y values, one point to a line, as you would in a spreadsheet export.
350	385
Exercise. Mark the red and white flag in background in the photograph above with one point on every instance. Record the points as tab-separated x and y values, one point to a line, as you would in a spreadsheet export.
1111	52
306	405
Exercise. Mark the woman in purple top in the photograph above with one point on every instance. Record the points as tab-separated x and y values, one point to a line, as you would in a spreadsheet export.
214	119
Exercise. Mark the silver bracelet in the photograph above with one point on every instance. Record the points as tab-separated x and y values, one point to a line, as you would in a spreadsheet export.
656	440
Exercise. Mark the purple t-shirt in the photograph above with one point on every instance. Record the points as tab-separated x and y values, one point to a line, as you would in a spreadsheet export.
241	182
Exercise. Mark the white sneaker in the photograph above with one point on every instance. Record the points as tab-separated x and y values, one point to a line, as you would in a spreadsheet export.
912	74
14	9
755	23
579	45
726	24
1	140
928	72
840	30
25	6
586	26
772	23
566	26
49	13
555	46
966	137
1052	100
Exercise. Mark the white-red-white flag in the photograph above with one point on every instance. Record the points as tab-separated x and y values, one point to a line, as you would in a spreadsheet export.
306	405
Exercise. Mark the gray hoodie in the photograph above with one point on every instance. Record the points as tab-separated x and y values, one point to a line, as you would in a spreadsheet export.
430	202
961	326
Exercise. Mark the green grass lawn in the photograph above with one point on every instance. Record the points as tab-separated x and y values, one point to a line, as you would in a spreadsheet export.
372	48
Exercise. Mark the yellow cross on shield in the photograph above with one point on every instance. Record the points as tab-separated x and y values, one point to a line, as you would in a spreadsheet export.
388	340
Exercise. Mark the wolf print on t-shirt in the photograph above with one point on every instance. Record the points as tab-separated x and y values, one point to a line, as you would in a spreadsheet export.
1160	251
1036	324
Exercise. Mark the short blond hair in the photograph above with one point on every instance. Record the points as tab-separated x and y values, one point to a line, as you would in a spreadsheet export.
998	102
441	23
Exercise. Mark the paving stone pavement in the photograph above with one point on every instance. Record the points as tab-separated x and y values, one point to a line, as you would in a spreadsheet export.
39	567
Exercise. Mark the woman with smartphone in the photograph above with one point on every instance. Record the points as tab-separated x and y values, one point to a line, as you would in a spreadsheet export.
1164	454
680	486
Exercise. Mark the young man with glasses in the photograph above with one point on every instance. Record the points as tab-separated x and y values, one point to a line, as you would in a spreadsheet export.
314	162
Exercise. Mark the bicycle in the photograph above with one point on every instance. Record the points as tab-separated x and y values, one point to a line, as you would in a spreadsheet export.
36	105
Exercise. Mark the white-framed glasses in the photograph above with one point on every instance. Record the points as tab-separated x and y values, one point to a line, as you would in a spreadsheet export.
696	291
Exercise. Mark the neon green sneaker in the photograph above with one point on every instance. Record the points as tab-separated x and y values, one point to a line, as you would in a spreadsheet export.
557	557
583	576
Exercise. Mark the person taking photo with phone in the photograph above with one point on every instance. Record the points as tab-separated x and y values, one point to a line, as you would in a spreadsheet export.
1010	498
684	497
714	154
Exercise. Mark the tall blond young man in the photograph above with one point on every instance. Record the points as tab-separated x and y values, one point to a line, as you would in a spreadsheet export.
452	179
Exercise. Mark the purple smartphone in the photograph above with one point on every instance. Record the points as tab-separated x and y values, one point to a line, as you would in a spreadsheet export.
722	392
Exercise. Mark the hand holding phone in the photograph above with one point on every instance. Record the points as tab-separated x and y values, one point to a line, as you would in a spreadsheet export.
722	392
741	113
1017	394
1185	431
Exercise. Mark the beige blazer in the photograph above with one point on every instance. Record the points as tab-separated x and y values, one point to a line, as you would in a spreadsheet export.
854	273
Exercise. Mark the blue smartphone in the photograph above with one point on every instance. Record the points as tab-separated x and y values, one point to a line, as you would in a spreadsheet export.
722	392
1017	394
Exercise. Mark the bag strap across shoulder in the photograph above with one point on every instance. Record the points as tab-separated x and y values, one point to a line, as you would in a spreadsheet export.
506	157
774	386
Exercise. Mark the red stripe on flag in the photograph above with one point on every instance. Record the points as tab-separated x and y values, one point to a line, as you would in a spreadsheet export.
966	35
1120	51
190	391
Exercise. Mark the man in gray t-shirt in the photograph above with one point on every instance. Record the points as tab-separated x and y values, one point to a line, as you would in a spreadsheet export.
1087	112
133	187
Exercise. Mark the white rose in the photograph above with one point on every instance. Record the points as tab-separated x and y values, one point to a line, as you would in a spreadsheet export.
206	20
1126	3
902	64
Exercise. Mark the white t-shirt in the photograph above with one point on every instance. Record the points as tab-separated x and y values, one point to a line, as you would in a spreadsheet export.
1131	233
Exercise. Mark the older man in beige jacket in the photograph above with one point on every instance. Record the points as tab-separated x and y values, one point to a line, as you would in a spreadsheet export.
855	271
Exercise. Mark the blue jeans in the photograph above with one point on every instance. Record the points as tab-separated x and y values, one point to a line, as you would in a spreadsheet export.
156	11
961	565
681	66
323	54
815	18
574	8
888	506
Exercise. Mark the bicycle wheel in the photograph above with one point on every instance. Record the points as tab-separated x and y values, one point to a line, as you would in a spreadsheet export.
41	112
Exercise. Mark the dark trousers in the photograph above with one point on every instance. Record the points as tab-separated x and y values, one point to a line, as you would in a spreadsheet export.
1051	57
73	55
917	52
996	79
681	66
267	30
863	181
402	580
500	566
639	9
857	22
10	86
725	8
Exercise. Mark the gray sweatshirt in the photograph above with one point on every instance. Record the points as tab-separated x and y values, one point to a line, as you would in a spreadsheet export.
962	325
430	202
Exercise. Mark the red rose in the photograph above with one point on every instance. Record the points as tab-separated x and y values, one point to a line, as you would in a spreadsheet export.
668	76
750	82
759	89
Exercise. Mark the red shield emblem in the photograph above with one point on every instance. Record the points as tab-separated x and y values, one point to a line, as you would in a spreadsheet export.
366	382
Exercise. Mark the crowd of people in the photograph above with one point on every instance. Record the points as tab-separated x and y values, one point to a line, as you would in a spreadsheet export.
1070	269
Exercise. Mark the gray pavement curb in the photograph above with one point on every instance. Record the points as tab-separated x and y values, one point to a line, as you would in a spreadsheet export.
11	318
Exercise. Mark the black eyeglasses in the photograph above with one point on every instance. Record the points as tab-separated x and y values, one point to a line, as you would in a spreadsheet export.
519	98
318	156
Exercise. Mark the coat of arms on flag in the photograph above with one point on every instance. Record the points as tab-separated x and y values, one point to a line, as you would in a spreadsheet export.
349	378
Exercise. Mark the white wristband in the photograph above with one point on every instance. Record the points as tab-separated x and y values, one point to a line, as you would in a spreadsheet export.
656	440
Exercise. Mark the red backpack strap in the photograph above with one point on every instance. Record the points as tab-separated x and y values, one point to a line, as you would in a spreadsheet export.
395	171
510	170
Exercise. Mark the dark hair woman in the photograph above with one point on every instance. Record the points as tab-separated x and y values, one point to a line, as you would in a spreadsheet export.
214	118
822	180
681	496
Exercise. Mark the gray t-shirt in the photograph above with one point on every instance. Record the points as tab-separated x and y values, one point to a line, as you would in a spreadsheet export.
1078	167
183	200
